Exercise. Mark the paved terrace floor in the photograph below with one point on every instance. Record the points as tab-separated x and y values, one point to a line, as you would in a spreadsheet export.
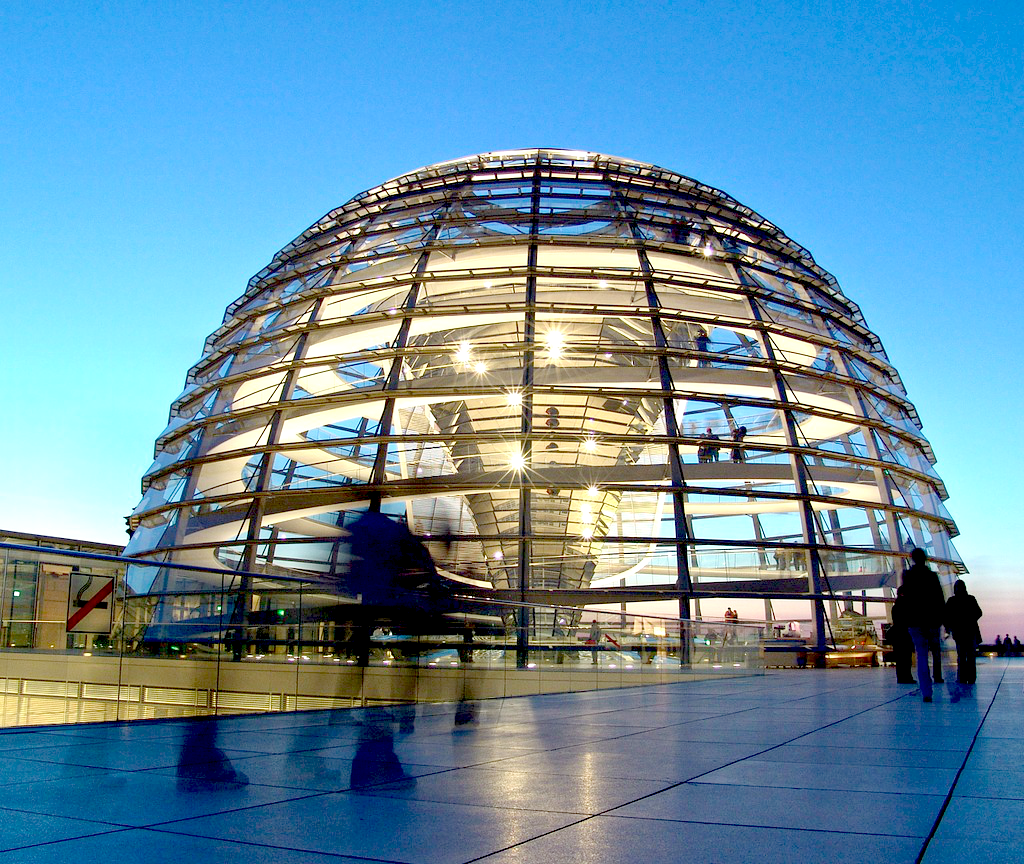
799	766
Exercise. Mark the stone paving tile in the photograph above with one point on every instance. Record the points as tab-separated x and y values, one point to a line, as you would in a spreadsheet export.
984	819
19	829
153	847
809	765
984	783
382	828
898	814
605	839
766	773
971	852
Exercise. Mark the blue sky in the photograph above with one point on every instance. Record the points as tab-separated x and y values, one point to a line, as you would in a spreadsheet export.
154	156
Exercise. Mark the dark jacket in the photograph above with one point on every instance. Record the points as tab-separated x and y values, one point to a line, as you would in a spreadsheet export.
961	616
898	634
925	606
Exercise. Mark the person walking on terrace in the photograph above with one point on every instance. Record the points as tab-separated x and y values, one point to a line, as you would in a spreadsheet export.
961	618
899	639
925	608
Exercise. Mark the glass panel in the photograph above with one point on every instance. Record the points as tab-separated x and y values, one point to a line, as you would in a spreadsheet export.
892	449
774	283
790	316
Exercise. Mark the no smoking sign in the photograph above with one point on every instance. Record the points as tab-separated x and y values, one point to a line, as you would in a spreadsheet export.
90	603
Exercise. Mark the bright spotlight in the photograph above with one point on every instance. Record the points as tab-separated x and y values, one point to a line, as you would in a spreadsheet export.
555	344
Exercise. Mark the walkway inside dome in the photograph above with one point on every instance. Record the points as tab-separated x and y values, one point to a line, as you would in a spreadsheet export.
811	766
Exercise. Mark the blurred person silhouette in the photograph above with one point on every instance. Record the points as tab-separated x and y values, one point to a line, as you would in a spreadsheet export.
560	633
388	564
961	618
925	605
201	762
465	650
375	760
467	711
899	639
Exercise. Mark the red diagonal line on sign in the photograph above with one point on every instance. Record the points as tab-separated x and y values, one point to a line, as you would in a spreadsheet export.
90	604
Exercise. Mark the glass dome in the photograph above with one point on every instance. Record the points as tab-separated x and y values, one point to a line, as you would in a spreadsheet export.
592	373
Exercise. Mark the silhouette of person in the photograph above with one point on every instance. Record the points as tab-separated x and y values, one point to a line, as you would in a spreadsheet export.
594	639
737	436
680	230
711	448
924	611
961	619
731	617
375	760
703	344
560	633
201	763
899	639
389	565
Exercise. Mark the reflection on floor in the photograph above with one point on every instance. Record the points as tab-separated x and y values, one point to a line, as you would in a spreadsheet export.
806	765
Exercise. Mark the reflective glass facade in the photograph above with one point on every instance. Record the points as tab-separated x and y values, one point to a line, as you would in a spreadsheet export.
591	372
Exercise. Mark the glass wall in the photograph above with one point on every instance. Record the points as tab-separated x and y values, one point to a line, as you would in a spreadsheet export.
98	637
586	372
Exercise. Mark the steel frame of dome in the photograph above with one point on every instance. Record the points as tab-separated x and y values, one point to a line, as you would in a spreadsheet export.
524	349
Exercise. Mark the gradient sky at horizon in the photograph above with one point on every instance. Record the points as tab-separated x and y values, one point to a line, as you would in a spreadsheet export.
155	157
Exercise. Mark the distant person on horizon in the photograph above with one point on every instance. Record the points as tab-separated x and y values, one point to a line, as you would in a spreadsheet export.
925	608
961	619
